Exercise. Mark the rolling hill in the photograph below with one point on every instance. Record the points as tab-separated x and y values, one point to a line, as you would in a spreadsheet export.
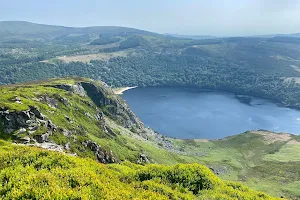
84	118
117	55
24	30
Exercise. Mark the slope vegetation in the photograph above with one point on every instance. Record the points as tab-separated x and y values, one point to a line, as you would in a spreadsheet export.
84	118
32	173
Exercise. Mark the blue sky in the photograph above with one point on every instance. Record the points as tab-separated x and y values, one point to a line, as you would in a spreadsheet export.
193	17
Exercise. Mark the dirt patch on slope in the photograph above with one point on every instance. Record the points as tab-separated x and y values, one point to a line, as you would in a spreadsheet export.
270	137
295	142
88	57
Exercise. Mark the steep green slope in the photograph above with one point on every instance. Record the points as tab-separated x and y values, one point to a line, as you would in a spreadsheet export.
262	160
70	113
32	173
82	117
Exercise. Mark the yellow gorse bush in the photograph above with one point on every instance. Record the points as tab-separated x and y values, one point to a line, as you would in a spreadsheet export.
33	173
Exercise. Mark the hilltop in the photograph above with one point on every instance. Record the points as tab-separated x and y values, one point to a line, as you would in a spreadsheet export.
267	67
84	118
28	30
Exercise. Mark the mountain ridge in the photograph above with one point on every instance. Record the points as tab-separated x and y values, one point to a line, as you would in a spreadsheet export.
5	24
24	28
61	115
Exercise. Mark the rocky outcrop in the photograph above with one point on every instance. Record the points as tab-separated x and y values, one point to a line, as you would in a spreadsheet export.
76	89
112	105
29	121
101	154
218	170
102	97
51	102
31	127
143	159
99	116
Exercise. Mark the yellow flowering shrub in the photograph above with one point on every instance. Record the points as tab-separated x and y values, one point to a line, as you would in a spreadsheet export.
33	173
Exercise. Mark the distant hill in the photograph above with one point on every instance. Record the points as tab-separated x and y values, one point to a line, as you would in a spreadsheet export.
28	29
278	35
194	37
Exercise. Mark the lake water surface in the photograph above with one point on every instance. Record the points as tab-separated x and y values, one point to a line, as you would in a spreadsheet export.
194	113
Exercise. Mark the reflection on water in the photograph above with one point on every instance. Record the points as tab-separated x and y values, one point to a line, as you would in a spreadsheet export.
194	113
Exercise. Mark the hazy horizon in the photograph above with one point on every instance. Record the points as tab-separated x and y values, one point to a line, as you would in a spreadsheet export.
190	17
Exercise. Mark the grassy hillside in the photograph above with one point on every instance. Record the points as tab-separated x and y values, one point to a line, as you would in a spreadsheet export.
85	118
261	160
32	173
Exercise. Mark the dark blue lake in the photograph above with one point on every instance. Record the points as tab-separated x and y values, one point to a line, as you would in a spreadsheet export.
194	113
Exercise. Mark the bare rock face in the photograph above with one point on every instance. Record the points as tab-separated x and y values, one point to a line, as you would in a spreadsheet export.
102	155
42	138
143	159
52	102
20	120
76	89
62	99
114	106
31	127
26	121
99	116
37	113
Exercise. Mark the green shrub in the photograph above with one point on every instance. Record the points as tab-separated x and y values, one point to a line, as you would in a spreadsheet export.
33	173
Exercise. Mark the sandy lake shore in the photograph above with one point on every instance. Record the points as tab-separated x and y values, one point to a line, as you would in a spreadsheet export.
122	89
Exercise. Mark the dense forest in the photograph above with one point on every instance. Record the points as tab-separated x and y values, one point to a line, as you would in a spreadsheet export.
264	67
168	70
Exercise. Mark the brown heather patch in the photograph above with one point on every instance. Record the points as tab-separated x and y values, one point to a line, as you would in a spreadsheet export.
87	58
295	142
270	137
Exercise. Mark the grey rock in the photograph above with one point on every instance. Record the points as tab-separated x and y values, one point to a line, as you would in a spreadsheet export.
52	102
21	130
68	119
62	99
37	113
41	138
102	155
33	128
50	146
67	146
218	170
116	108
17	99
99	116
88	115
51	126
110	131
26	139
76	89
66	133
144	158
